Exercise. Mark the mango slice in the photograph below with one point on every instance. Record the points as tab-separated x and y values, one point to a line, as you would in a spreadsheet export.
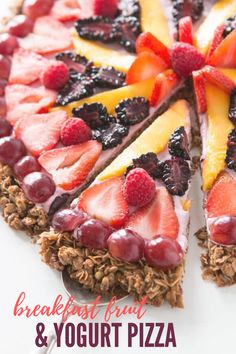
111	98
153	139
218	13
154	20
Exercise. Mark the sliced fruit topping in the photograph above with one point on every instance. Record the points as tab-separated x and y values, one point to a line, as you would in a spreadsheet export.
25	166
66	10
231	150
20	26
176	175
27	67
68	219
75	131
23	101
163	253
147	65
139	188
232	107
108	77
156	218
5	67
38	187
126	245
129	8
55	75
199	90
45	39
164	85
110	136
75	62
76	88
178	144
71	165
217	38
182	8
149	162
220	200
185	59
11	150
3	107
8	43
95	115
129	30
97	28
37	8
225	54
146	42
131	111
218	78
105	201
93	234
98	7
3	84
40	132
5	128
229	25
185	30
223	230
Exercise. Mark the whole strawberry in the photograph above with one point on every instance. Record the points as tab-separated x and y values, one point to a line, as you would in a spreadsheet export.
185	59
75	131
55	76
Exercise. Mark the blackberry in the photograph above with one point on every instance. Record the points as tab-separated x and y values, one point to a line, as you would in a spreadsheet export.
131	111
108	77
129	30
58	203
110	136
129	8
232	107
182	8
98	28
176	175
149	162
77	87
231	150
178	144
94	114
75	62
230	25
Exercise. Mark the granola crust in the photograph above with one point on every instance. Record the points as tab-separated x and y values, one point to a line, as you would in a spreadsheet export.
218	262
98	271
19	212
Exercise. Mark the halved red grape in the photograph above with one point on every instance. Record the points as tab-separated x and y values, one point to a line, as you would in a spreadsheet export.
38	187
36	8
5	67
126	245
5	128
20	26
68	219
26	165
11	150
3	84
163	252
93	234
3	107
223	230
8	43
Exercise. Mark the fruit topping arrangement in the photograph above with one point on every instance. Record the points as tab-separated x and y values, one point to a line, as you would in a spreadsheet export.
182	8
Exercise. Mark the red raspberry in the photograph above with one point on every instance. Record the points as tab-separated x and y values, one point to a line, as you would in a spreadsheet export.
185	59
139	188
75	131
55	76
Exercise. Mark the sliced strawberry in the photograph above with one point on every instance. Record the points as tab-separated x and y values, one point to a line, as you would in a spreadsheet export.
164	85
216	77
225	54
26	67
200	91
49	36
71	165
145	66
98	8
216	40
66	10
146	42
105	201
24	100
40	132
221	199
157	218
186	30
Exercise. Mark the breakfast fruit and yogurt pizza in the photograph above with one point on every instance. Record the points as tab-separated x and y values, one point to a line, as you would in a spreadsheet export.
95	136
